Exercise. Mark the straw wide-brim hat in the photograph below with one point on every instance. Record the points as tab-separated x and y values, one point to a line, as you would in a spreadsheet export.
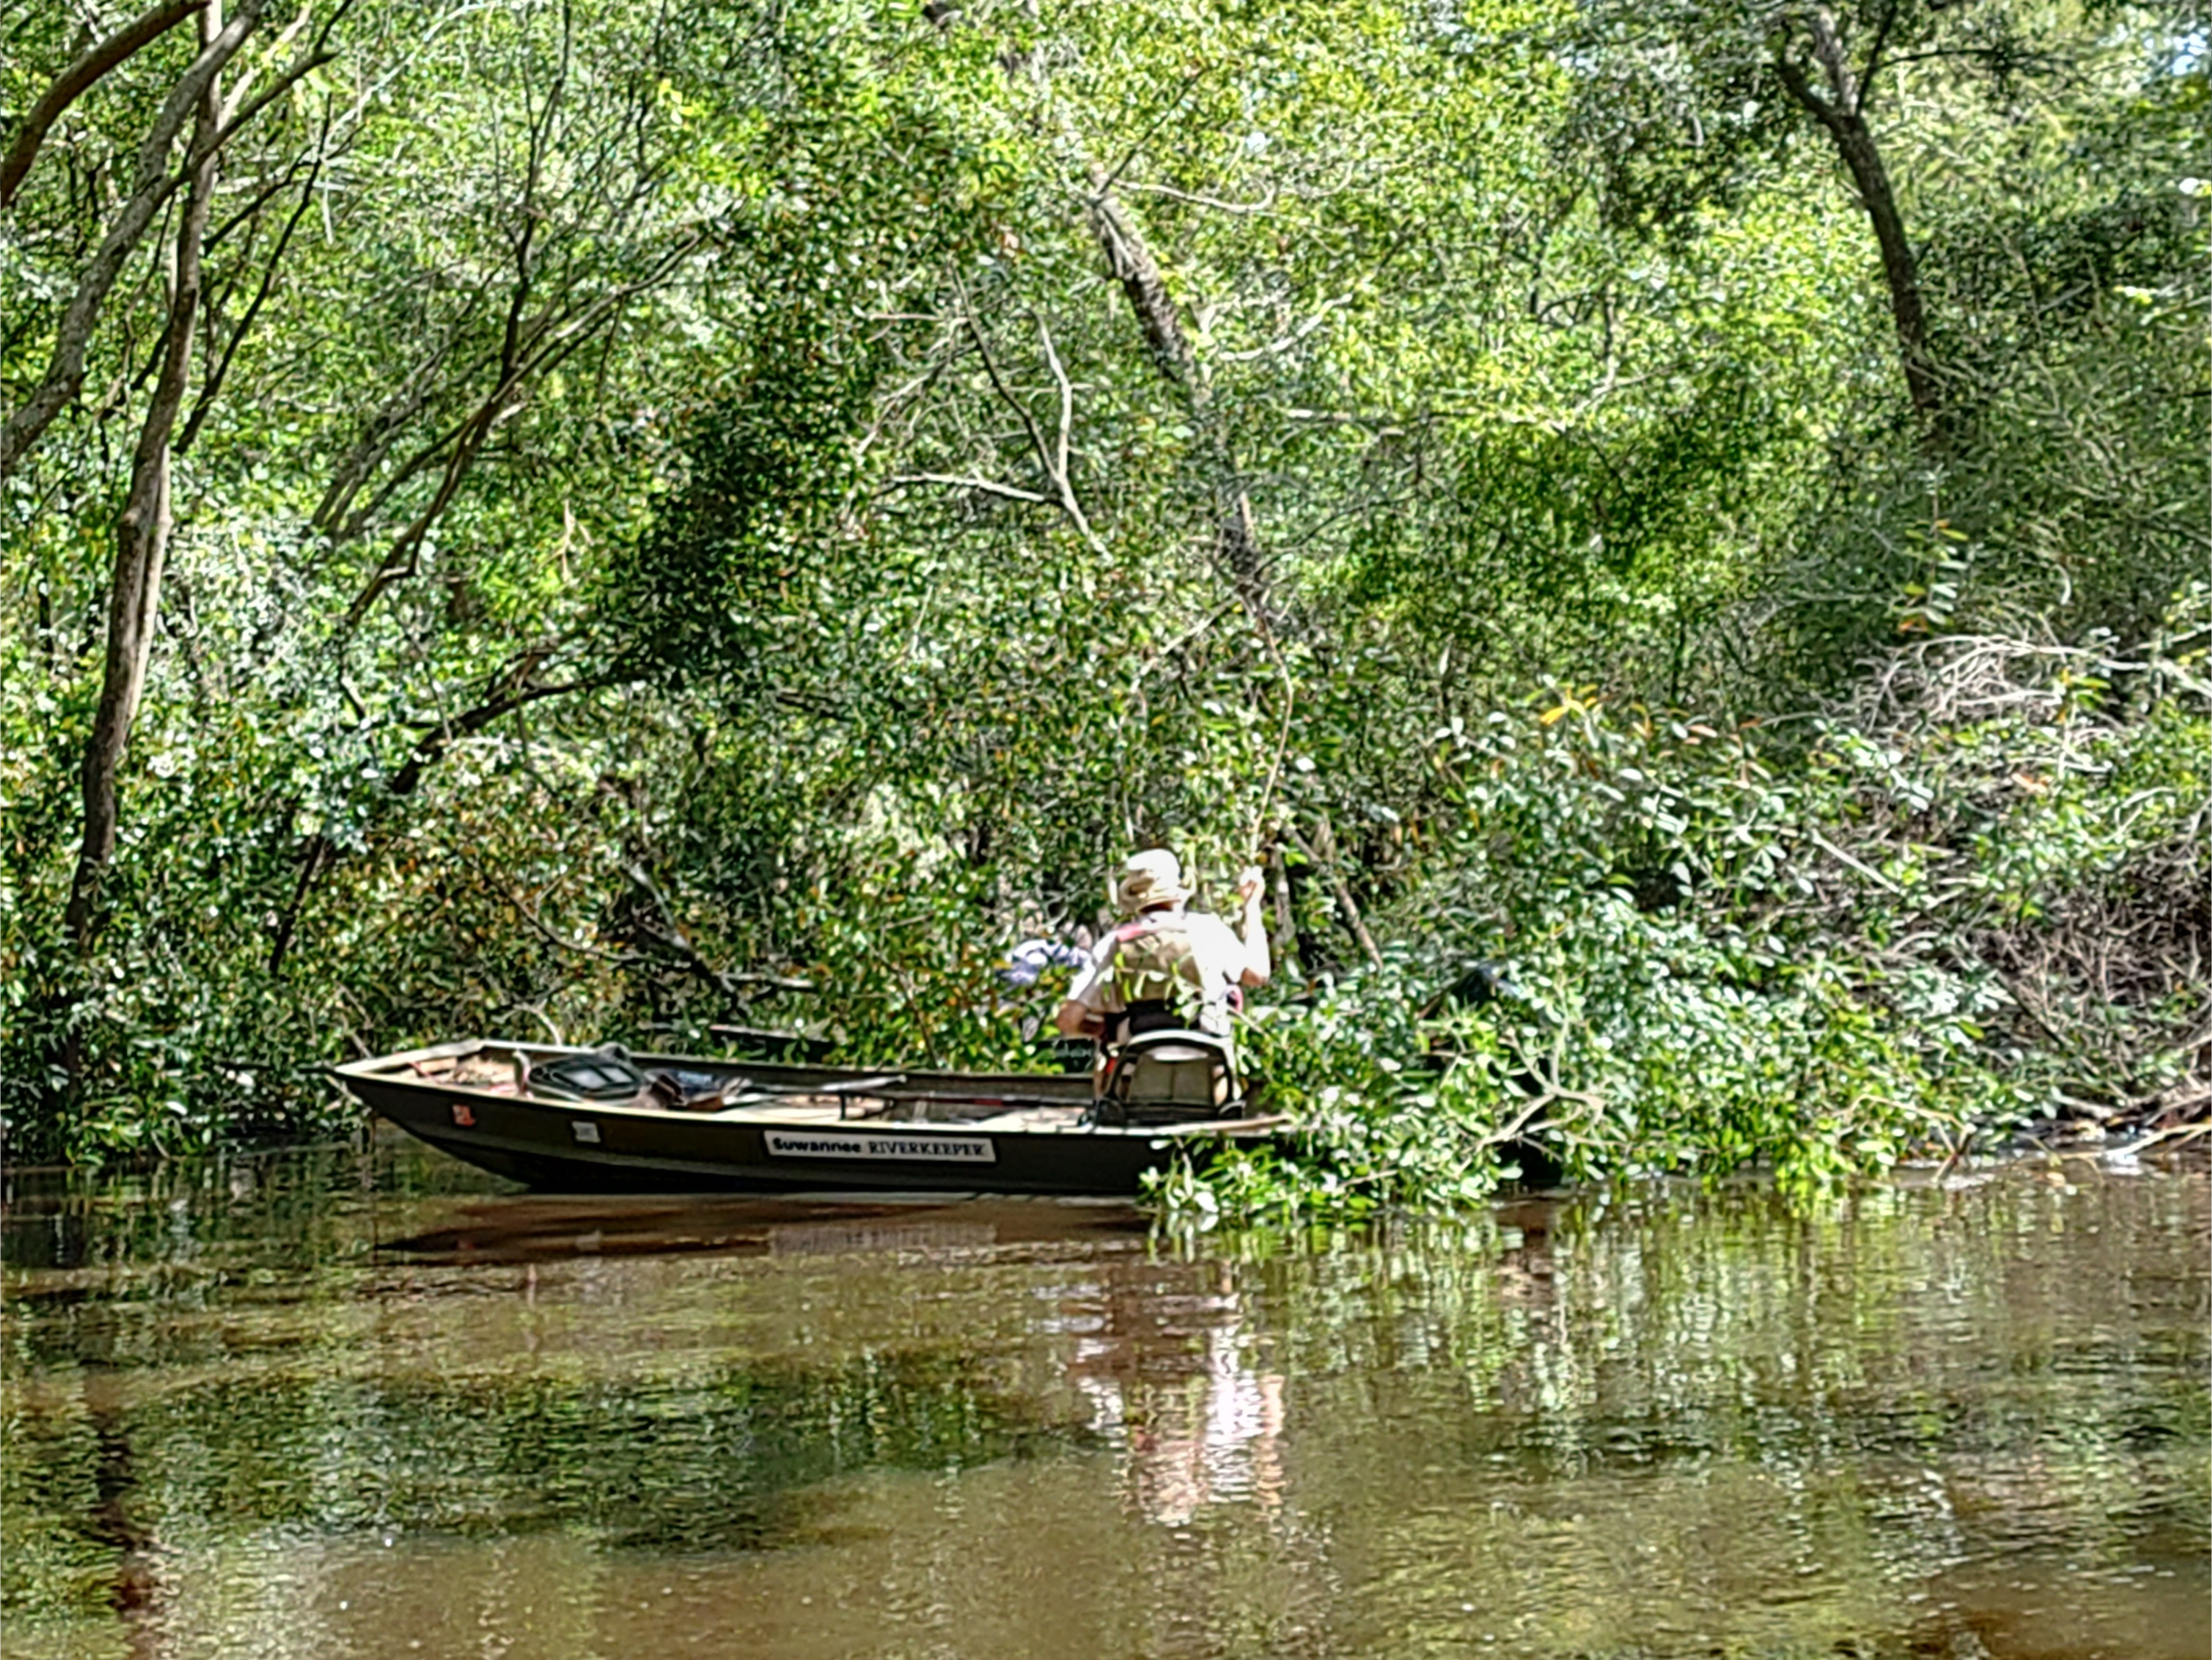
1147	879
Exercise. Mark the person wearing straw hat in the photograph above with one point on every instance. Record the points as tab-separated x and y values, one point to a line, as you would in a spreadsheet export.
1166	965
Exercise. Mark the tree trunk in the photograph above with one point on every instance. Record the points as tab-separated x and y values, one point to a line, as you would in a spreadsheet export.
1843	112
141	536
1139	274
1855	143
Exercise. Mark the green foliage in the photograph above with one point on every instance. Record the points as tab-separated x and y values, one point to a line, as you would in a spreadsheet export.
1722	949
682	522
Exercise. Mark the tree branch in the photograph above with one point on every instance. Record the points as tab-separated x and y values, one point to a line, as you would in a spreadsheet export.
550	341
77	79
1052	457
1142	280
989	487
545	930
672	935
1265	205
1828	47
431	747
1055	466
151	185
215	376
321	853
1874	62
1341	892
1793	78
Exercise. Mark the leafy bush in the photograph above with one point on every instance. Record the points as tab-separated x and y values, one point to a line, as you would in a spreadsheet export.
1715	948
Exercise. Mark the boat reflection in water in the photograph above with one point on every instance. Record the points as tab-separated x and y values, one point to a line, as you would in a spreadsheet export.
1164	1371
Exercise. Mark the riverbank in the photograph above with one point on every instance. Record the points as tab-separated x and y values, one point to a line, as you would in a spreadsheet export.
753	539
1611	943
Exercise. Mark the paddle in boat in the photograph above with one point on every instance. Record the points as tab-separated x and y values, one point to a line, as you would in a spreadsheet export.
604	1119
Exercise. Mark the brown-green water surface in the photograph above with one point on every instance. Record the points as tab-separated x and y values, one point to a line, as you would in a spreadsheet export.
361	1403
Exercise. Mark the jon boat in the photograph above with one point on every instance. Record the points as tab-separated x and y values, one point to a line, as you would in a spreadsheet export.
527	1111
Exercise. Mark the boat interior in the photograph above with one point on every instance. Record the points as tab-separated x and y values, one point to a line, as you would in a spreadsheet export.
610	1077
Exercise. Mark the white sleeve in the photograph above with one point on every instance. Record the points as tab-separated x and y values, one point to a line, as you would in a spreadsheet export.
1224	953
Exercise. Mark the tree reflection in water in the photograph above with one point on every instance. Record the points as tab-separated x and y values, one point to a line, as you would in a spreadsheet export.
255	1411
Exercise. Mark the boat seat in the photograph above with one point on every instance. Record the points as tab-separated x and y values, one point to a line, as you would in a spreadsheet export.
1168	1077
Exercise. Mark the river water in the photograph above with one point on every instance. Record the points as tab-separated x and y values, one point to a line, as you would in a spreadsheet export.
363	1403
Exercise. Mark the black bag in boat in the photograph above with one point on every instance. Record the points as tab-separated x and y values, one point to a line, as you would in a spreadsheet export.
687	1091
605	1074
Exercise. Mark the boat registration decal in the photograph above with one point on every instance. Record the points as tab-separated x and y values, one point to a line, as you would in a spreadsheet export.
847	1144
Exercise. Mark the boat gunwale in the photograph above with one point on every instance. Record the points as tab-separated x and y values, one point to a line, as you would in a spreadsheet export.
386	1071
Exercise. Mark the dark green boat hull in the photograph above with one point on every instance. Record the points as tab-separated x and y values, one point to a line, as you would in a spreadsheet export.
584	1147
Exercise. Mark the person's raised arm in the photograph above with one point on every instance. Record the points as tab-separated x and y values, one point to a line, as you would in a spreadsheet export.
1251	890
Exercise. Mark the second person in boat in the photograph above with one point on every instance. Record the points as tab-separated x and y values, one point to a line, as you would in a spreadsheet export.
1167	966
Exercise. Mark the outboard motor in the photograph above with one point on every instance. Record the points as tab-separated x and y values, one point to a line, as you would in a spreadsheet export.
1168	1077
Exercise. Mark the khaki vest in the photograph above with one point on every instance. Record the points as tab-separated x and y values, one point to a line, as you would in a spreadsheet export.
1154	962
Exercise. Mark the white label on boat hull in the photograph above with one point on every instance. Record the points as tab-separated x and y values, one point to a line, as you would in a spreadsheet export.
912	1149
587	1132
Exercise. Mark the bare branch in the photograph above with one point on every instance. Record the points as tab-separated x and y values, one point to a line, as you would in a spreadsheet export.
1873	62
673	935
551	341
1052	457
545	930
1055	466
1282	343
1190	84
1058	465
987	487
431	747
1264	206
215	380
